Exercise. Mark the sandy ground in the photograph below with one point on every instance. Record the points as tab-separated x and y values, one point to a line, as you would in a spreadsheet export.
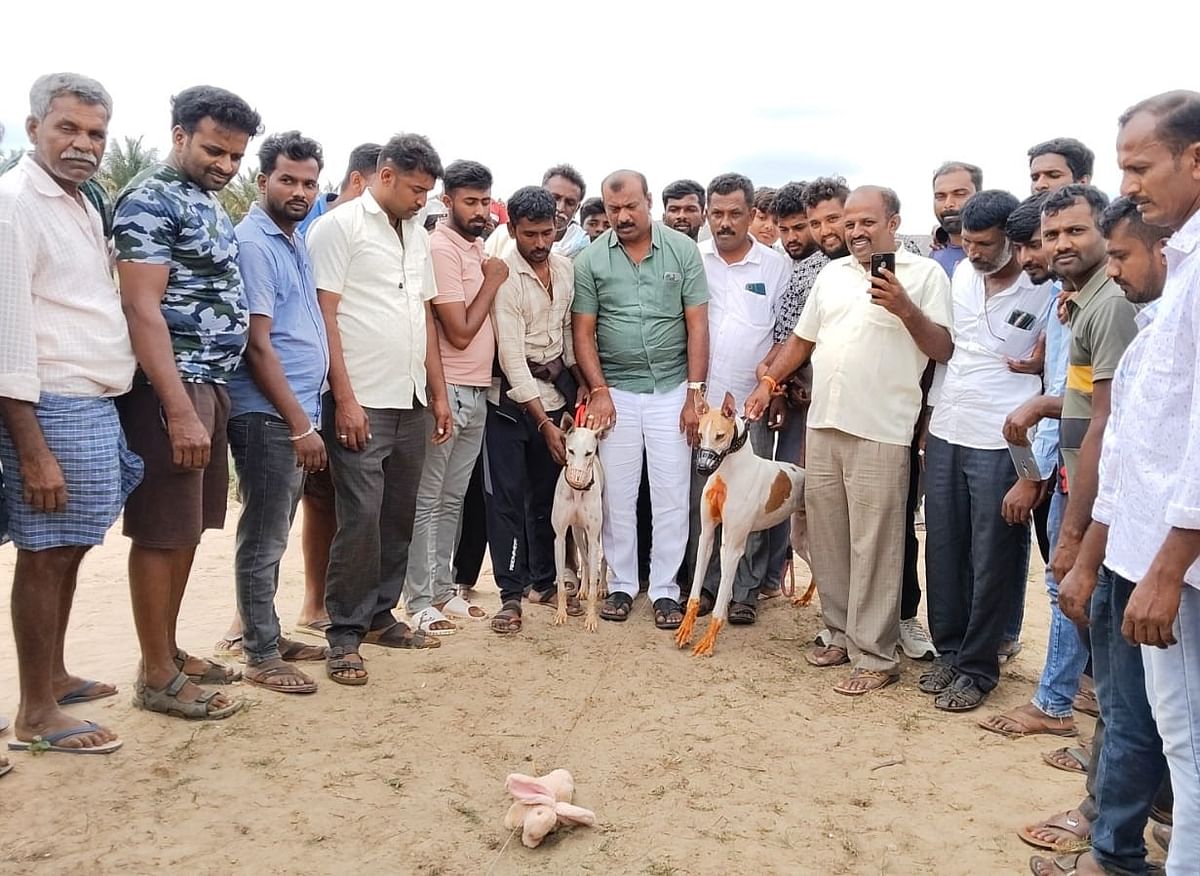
746	761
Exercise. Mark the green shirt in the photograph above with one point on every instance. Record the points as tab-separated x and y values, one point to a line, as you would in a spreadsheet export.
1102	325
641	334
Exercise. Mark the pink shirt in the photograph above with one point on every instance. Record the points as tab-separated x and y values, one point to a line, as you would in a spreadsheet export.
458	274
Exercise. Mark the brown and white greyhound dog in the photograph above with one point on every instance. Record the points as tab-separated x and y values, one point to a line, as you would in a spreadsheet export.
744	493
577	517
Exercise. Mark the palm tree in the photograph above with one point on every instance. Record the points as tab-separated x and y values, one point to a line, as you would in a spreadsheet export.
239	196
123	163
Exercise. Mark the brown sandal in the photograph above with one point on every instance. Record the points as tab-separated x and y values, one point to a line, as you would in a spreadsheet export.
826	655
298	652
401	635
875	681
1068	759
345	660
1076	828
508	619
270	674
1028	720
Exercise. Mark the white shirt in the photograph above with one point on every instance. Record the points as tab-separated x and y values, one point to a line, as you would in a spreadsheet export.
383	285
61	326
866	366
743	302
979	389
1150	457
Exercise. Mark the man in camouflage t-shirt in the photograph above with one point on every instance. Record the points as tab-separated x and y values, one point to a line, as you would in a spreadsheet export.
182	293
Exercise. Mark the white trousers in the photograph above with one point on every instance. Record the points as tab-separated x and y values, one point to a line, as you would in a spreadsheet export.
649	421
1173	683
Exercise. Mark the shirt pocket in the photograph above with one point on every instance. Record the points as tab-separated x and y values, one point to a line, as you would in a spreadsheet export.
414	273
664	297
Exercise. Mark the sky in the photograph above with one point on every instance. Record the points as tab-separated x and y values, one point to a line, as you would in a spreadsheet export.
881	93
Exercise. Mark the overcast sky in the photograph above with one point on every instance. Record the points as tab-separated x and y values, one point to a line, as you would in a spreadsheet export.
878	92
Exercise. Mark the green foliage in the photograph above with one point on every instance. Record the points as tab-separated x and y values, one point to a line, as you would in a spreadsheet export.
123	162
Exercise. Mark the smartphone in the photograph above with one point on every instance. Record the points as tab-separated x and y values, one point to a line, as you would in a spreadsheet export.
1024	461
882	260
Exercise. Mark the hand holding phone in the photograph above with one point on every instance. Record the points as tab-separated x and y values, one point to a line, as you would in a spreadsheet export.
883	261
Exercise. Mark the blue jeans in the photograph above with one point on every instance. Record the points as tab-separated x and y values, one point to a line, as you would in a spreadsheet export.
269	485
975	562
1173	679
789	447
1131	764
1066	651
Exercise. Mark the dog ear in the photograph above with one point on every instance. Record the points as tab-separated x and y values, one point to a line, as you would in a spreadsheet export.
727	406
568	422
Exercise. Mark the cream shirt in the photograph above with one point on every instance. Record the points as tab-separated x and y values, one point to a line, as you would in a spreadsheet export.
61	326
383	284
532	325
866	366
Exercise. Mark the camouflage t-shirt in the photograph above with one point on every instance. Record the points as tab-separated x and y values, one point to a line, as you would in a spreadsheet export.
163	218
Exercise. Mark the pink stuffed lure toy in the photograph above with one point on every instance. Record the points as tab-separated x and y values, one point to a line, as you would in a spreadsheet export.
541	804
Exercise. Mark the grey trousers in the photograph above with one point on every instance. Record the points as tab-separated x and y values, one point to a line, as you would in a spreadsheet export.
444	481
854	495
752	568
376	498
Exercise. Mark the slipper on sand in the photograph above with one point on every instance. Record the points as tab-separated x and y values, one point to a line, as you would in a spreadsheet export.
50	743
83	694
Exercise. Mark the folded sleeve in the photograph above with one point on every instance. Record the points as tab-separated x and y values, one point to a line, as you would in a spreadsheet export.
18	338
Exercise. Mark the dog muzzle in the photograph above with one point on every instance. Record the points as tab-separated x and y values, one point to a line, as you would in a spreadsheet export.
580	479
708	461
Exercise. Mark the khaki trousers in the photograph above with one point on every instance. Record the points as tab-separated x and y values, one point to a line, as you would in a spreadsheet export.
854	495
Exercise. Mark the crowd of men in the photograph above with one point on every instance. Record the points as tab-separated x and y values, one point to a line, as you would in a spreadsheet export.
1037	373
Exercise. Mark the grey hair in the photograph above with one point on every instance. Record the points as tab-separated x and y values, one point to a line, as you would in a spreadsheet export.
53	85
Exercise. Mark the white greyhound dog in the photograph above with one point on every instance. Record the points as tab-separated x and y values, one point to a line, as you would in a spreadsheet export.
744	493
578	510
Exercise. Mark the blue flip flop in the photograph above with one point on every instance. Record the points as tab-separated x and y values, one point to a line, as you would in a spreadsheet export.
50	743
81	695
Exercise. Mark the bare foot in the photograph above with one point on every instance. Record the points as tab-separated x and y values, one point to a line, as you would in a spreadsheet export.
28	727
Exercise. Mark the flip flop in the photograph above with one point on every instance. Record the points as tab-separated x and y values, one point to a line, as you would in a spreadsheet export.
1072	823
5	770
81	695
4	724
1020	724
231	647
1079	755
878	681
50	743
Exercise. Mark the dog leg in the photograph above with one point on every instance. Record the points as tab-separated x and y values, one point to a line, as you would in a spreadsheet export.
592	570
560	563
733	546
683	636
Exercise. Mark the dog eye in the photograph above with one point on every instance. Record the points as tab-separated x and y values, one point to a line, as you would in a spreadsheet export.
590	452
719	436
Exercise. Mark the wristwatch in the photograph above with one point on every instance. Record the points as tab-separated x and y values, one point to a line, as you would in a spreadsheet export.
701	387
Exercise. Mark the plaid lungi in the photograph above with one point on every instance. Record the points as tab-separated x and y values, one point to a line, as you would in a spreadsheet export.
85	436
